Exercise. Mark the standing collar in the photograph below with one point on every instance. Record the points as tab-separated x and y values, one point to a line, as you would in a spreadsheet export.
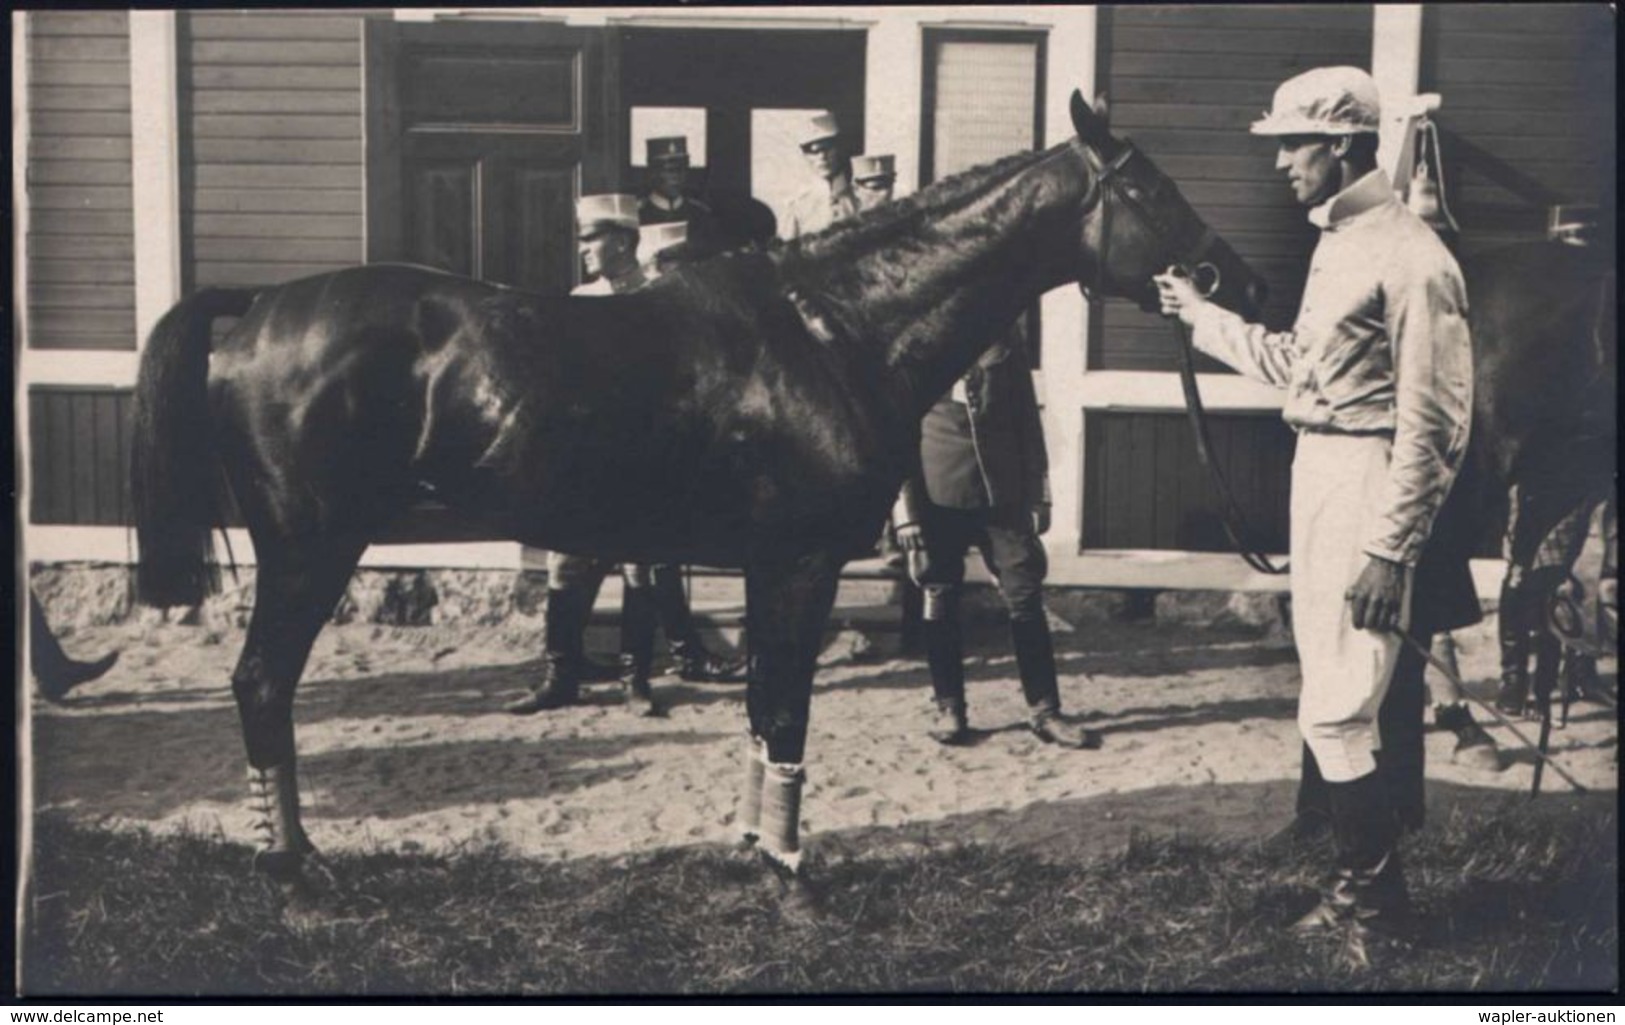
663	203
631	281
1371	191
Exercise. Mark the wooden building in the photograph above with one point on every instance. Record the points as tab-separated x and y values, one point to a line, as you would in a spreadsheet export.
157	152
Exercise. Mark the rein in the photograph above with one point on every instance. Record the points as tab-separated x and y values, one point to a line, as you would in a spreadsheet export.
1207	279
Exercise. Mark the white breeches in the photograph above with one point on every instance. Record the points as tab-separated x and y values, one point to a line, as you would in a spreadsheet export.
1336	481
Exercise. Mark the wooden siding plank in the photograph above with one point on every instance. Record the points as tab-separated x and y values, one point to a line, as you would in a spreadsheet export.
278	151
80	148
110	198
110	49
259	249
86	222
75	247
1242	17
51	296
100	272
268	272
293	201
51	74
77	172
1309	46
220	101
275	76
276	126
248	176
316	53
83	329
83	123
279	226
78	23
1269	70
107	98
288	26
68	418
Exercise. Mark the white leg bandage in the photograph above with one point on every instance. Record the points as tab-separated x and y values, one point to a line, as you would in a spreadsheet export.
750	805
781	813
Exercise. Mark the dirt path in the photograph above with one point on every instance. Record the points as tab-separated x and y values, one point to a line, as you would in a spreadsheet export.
404	746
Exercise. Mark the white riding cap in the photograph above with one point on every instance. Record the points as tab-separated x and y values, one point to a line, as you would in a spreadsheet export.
657	238
820	126
1324	101
608	210
879	165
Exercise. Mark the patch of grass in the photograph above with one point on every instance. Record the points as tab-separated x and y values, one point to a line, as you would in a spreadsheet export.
1518	897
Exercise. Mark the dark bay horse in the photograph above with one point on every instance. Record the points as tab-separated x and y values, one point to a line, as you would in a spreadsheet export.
755	410
1544	320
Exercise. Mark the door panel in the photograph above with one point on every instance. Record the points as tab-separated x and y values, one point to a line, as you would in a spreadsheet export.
441	216
480	139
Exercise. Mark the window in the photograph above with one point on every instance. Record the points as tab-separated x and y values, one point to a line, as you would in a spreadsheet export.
982	99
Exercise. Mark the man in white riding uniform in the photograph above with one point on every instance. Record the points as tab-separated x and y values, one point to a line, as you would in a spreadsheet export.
831	197
1378	375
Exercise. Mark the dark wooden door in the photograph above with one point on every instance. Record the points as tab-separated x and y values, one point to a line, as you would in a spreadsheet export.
481	137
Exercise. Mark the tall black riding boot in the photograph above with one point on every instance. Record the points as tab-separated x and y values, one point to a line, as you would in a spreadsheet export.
565	621
1035	660
1513	696
944	653
695	662
1368	901
637	649
1401	723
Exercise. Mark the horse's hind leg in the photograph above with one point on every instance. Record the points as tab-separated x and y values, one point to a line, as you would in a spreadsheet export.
786	607
295	591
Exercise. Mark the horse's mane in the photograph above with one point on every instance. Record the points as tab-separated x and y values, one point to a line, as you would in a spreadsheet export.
893	220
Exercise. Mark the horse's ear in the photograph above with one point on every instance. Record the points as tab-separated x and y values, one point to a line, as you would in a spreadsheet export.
1103	109
1091	127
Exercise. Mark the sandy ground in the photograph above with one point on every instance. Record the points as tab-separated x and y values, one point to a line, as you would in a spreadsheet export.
404	746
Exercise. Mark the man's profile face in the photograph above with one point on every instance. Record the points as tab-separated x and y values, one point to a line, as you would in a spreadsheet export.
605	251
1311	166
669	179
872	192
823	156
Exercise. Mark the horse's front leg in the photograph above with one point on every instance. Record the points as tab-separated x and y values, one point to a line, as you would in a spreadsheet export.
787	606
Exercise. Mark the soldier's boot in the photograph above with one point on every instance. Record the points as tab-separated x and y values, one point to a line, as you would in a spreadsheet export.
1035	661
52	668
944	653
1367	907
695	662
565	621
637	650
1475	748
1513	696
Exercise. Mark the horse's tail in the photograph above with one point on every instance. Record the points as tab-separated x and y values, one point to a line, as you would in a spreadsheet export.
174	468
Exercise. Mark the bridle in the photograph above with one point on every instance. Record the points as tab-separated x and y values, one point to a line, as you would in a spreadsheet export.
1206	277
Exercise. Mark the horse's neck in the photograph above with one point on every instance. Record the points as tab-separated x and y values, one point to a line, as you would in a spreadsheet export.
931	298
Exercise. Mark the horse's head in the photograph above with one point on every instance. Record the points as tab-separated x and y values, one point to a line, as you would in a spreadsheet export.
1138	225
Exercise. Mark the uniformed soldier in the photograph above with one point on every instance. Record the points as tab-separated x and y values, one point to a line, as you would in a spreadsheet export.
874	176
984	481
668	201
609	235
1378	377
830	198
607	227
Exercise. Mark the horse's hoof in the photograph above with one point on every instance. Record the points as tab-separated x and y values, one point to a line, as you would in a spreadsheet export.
799	901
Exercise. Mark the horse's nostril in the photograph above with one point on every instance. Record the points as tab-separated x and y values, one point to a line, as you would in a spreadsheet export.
1257	292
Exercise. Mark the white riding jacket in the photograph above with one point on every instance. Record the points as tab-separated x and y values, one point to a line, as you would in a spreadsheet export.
1380	346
